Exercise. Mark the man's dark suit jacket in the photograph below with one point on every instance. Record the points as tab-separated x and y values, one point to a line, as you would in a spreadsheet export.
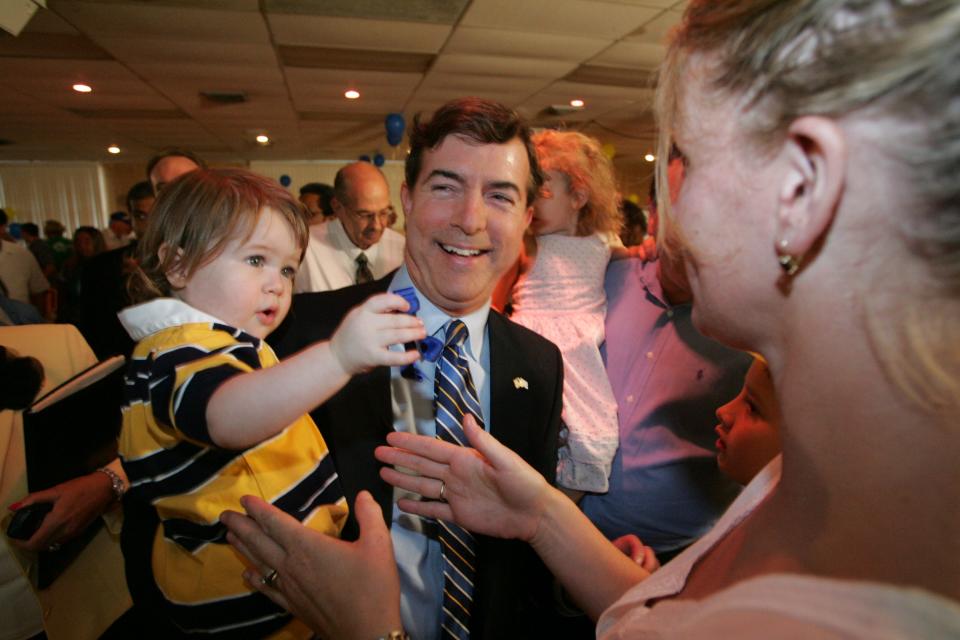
513	588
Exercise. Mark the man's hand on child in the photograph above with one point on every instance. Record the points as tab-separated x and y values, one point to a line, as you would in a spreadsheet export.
362	340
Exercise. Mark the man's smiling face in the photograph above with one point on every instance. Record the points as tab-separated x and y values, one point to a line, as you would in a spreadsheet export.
465	220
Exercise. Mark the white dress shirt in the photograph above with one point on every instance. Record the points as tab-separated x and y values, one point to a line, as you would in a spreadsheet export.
330	260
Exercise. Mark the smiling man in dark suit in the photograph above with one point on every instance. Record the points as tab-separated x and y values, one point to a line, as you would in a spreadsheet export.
471	178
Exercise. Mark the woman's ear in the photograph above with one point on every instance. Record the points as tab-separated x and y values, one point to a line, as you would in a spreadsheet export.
175	275
816	156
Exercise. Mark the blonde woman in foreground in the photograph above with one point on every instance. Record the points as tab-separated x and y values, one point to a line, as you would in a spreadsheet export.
818	218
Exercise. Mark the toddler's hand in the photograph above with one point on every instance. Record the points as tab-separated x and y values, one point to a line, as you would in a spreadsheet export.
360	342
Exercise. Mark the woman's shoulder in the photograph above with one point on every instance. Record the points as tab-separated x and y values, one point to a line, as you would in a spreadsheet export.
791	605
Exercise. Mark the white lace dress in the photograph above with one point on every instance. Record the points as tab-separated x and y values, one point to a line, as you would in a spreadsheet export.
562	298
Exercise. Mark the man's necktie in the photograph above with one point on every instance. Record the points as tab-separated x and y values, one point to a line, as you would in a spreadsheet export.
363	269
455	397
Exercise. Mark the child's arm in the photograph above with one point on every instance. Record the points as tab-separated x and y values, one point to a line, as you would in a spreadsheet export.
252	407
636	251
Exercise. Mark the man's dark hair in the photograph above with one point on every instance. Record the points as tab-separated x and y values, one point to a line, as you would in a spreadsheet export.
170	153
139	191
633	217
3	217
325	192
30	228
484	122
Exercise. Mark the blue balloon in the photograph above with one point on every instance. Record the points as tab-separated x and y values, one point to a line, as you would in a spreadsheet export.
14	230
285	180
364	158
379	159
395	125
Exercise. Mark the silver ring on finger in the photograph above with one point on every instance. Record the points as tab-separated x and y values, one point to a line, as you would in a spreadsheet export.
443	491
270	579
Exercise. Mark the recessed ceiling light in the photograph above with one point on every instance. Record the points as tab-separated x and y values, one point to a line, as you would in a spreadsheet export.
262	139
577	102
114	149
351	94
82	88
649	157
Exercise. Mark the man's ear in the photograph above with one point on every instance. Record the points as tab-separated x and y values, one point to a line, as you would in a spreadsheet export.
175	275
811	189
405	200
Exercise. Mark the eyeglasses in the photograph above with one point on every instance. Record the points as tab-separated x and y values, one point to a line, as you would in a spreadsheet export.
367	217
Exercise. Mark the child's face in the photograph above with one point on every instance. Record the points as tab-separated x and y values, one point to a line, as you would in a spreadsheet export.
249	284
556	209
748	427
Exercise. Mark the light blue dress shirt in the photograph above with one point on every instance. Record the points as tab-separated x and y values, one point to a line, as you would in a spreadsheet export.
419	559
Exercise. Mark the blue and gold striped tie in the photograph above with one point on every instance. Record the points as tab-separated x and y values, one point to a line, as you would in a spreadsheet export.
455	397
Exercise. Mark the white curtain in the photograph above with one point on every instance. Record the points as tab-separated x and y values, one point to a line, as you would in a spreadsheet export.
73	193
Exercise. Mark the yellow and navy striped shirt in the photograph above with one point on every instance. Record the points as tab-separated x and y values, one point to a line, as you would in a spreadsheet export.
182	357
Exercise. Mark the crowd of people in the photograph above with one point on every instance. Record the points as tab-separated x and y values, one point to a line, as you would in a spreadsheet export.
520	417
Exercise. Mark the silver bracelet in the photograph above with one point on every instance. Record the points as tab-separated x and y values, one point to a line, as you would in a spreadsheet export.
117	485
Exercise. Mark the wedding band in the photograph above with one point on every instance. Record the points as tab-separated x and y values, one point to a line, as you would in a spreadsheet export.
54	546
443	489
270	579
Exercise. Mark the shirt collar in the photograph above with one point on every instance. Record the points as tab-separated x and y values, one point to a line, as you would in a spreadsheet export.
345	244
435	320
156	315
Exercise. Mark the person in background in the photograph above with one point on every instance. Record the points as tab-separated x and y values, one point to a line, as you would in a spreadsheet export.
169	164
87	244
90	596
748	436
120	231
357	246
40	249
559	294
317	198
53	233
634	224
22	276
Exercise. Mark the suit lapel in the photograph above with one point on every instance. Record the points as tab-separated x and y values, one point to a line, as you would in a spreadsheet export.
508	405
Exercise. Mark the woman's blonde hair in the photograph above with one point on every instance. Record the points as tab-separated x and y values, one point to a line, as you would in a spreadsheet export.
582	161
893	59
194	218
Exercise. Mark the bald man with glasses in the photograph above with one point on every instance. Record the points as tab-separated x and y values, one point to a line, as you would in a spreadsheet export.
357	246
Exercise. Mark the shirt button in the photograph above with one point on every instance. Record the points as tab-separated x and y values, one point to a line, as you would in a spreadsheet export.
669	313
630	398
649	355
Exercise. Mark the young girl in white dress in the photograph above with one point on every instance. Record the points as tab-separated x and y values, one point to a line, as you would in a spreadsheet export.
559	294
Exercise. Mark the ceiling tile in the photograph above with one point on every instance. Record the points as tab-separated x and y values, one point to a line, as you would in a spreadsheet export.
523	44
357	33
573	17
176	23
631	54
502	66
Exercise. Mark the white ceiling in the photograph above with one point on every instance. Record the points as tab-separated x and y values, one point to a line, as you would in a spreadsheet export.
149	60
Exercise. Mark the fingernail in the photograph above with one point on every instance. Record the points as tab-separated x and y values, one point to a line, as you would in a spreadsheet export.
15	506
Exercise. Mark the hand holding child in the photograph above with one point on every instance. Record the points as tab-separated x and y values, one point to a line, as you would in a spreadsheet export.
361	341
